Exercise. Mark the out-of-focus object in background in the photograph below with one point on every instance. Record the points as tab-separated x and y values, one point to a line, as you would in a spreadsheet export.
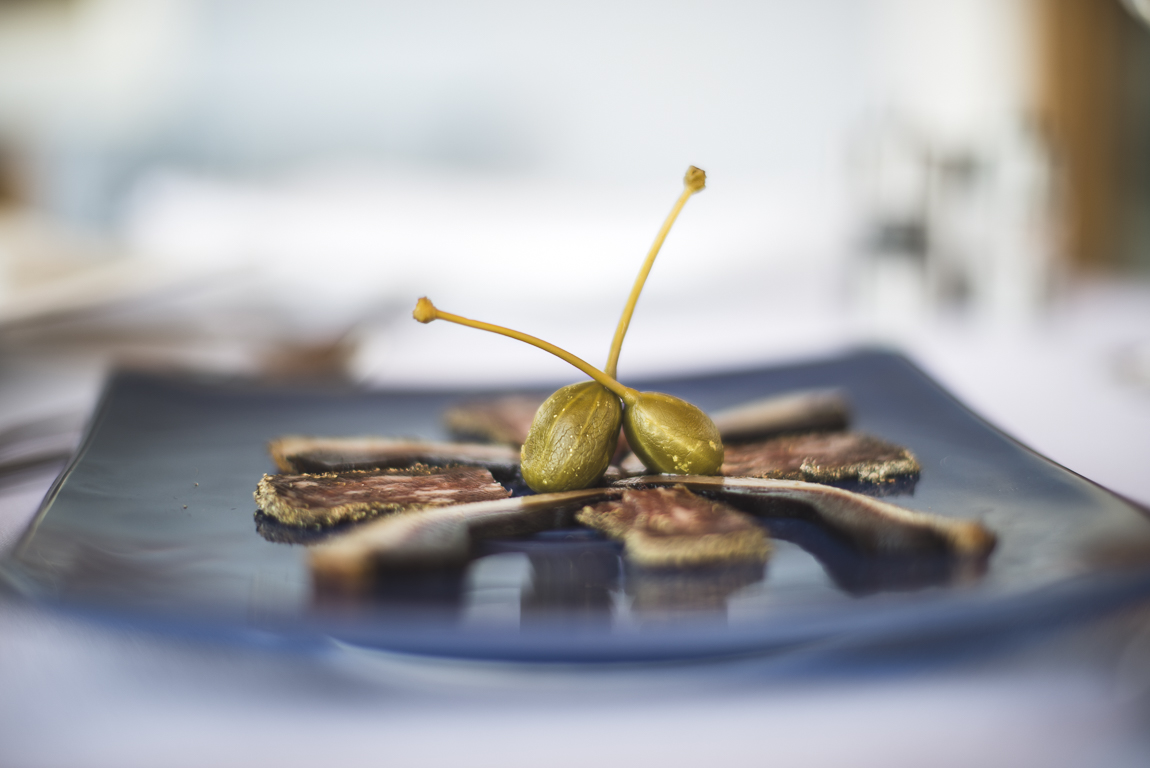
954	182
1133	364
1140	8
90	300
944	228
986	204
1093	96
891	178
49	273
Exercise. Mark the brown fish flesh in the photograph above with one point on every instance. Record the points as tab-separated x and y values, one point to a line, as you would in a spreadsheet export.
440	536
672	527
296	453
504	420
327	499
813	410
823	457
869	524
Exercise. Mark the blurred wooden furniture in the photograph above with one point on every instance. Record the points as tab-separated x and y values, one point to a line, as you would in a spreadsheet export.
1094	96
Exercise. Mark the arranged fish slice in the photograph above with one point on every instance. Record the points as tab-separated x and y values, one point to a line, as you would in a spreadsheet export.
802	411
672	527
823	457
869	524
297	453
315	500
439	537
505	420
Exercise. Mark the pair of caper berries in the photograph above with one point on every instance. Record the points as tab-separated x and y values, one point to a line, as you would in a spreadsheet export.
576	430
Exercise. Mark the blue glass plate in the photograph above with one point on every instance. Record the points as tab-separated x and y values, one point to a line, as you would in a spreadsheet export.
152	523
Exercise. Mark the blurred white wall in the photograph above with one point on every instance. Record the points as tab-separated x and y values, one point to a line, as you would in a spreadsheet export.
348	156
95	90
963	70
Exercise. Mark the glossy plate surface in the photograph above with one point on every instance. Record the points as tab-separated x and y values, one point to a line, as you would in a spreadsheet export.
153	524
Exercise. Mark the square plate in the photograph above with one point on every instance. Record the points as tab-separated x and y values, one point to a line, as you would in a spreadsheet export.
152	523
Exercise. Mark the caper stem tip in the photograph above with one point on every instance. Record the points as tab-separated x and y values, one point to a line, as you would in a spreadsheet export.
425	311
696	179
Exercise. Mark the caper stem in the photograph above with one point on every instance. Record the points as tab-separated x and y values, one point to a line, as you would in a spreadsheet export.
694	181
425	312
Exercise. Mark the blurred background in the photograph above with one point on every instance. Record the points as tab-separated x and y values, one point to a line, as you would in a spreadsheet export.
261	188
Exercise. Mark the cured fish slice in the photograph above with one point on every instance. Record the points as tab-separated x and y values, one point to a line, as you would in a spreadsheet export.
869	524
672	527
826	457
802	411
317	500
439	537
819	457
295	453
505	420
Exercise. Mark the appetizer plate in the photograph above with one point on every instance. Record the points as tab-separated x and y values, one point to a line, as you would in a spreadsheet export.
153	524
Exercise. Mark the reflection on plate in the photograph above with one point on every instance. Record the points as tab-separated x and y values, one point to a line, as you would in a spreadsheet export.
153	522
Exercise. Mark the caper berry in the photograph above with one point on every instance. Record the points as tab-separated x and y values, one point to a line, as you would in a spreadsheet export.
672	436
572	438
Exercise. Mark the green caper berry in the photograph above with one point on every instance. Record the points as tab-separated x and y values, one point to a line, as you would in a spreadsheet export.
672	436
572	438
